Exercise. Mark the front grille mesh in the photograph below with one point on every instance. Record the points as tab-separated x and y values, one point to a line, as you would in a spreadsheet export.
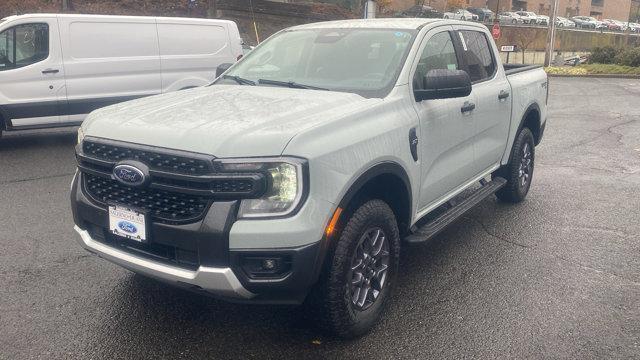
155	160
164	206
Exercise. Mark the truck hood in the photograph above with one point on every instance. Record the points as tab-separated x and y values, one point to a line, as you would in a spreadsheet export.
223	120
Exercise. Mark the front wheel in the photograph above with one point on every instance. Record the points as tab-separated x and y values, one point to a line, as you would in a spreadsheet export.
446	16
519	170
514	21
361	272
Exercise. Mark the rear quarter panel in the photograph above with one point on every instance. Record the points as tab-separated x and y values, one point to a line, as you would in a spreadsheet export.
529	90
191	50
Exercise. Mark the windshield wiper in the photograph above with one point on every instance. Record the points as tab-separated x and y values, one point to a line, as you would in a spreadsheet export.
290	84
239	80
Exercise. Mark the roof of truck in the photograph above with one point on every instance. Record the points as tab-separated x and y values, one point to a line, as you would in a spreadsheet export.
386	23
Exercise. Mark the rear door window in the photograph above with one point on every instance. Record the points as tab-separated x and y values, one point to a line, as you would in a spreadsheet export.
476	54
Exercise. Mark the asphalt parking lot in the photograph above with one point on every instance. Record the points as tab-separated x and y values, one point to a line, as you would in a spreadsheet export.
557	276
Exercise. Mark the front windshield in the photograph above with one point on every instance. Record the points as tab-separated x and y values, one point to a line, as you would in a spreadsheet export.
361	61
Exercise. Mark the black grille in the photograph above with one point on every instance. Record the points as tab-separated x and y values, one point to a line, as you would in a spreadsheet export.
164	206
172	163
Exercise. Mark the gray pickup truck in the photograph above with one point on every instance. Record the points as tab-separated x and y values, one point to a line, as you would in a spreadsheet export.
297	175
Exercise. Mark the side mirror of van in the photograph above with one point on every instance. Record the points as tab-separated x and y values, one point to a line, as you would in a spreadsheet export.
222	68
444	84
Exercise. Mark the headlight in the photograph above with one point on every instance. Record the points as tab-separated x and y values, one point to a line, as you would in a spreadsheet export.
284	185
80	135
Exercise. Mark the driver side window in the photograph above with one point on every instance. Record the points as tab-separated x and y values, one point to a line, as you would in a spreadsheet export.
6	50
438	53
23	45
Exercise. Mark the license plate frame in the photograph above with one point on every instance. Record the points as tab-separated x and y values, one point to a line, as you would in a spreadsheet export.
128	223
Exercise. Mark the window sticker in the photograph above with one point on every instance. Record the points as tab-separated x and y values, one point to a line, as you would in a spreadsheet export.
464	44
452	67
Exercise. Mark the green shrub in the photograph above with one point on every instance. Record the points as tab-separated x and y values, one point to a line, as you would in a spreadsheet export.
629	57
603	55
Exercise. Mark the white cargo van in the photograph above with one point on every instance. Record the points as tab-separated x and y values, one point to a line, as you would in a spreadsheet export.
55	69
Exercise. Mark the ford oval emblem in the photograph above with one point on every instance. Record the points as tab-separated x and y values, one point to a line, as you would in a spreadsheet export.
129	175
127	227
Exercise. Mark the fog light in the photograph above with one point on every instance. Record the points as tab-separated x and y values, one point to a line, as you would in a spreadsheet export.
269	264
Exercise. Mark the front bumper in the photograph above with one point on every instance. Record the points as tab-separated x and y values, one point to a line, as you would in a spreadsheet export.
201	258
220	281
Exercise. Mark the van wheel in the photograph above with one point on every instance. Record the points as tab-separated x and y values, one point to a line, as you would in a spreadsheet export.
519	171
361	272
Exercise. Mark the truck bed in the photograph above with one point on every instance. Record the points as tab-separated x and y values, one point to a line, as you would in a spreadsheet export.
510	69
528	88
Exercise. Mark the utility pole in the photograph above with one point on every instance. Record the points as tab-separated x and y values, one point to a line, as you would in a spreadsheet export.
65	5
212	11
551	34
370	9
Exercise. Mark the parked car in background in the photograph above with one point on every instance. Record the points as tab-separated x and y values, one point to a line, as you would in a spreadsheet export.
601	25
461	14
528	17
543	20
509	17
585	22
55	68
564	22
484	14
420	11
613	25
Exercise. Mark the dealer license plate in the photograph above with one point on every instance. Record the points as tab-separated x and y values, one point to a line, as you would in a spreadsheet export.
127	223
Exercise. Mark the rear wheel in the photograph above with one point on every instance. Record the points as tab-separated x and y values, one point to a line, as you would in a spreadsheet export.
519	170
361	272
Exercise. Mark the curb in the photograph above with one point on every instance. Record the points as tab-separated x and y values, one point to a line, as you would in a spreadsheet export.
604	76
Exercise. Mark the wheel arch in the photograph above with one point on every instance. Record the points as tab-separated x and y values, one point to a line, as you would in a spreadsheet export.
387	181
4	120
532	120
366	187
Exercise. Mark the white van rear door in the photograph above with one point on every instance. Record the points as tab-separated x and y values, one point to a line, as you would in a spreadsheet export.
31	73
108	59
191	50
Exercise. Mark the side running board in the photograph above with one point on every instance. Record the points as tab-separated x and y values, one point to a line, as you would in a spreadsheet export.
437	224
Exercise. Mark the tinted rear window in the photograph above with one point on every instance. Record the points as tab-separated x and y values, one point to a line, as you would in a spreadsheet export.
477	56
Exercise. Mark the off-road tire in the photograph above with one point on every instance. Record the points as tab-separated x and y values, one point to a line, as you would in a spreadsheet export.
335	312
514	191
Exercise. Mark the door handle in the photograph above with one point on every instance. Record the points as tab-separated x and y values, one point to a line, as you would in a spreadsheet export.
50	71
467	107
503	95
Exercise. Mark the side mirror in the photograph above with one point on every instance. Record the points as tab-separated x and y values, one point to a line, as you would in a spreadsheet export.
222	68
444	84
